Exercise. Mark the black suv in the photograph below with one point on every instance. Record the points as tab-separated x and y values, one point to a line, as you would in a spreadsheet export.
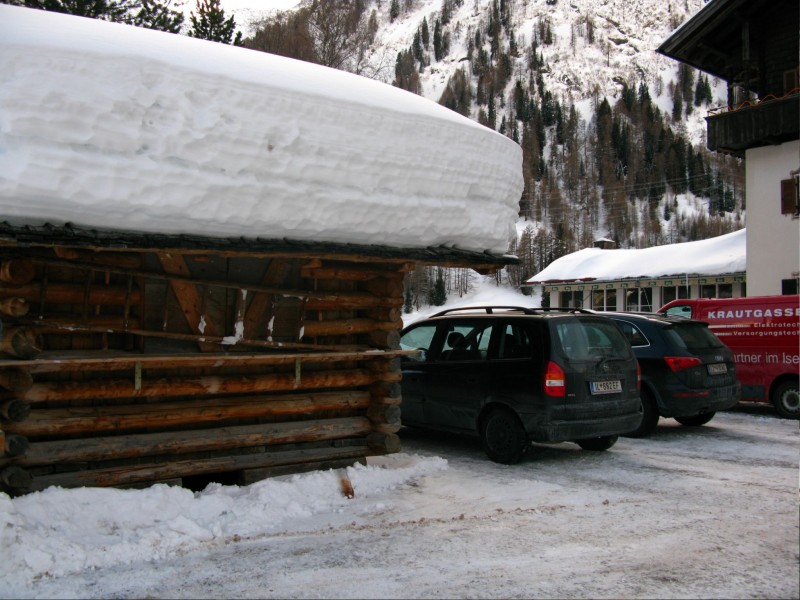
515	375
687	372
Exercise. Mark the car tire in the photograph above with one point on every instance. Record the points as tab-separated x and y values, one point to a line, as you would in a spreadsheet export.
598	444
786	400
695	420
503	437
649	416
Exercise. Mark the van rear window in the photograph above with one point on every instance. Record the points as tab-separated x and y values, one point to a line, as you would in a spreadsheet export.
585	339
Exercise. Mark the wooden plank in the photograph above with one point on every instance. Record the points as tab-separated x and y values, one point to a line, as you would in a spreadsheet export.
108	361
64	391
164	415
347	327
68	293
137	473
196	440
248	476
212	341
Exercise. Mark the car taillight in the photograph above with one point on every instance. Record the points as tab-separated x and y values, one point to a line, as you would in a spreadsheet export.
679	363
554	384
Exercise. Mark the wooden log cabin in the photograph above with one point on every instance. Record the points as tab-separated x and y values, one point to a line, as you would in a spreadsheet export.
131	359
158	325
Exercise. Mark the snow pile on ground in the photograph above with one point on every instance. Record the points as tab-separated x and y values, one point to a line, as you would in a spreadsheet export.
713	256
109	126
60	531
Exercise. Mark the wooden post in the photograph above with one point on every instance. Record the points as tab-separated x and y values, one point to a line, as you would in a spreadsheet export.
15	380
21	342
15	410
16	478
15	445
14	307
17	271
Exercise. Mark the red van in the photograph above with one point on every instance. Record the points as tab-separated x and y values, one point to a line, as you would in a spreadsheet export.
764	334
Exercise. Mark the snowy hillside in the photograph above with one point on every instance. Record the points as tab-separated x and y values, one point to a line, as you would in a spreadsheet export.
626	35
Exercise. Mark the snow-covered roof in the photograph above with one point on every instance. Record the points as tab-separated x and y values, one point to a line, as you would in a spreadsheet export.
714	256
109	126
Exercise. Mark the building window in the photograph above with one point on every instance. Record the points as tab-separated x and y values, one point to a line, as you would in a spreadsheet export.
571	300
604	300
711	290
789	286
675	292
639	299
789	196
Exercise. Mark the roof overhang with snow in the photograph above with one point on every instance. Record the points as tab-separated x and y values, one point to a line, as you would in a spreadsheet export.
723	255
727	39
107	128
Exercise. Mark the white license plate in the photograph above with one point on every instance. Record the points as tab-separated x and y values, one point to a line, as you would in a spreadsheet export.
605	387
717	369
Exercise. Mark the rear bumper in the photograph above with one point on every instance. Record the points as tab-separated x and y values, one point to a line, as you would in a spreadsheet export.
686	402
590	426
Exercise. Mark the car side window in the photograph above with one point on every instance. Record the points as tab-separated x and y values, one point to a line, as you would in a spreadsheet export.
467	341
514	342
633	334
419	338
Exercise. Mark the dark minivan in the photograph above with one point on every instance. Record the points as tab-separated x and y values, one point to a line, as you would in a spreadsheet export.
688	374
513	376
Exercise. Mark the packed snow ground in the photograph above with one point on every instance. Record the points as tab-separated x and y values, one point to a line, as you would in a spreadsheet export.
706	512
105	125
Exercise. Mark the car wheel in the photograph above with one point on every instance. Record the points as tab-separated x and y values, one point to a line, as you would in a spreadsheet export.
695	420
649	416
503	437
787	400
599	443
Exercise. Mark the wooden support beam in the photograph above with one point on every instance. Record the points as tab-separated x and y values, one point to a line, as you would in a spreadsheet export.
165	415
189	299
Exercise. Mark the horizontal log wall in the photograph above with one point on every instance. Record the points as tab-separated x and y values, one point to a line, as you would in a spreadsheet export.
128	368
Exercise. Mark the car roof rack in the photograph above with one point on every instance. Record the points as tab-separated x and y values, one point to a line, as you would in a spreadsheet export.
523	309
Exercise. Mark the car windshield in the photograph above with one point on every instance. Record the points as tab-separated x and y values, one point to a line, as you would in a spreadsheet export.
586	339
694	337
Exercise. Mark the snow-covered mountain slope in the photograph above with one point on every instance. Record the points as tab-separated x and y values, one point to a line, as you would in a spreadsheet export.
596	46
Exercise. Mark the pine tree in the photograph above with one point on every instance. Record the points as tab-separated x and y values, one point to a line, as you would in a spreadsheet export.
107	10
394	10
408	304
155	15
210	24
438	294
437	40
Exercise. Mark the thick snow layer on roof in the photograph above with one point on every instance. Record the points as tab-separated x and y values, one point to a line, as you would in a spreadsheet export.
714	256
109	126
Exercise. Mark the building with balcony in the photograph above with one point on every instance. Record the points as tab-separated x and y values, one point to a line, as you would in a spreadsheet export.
753	45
